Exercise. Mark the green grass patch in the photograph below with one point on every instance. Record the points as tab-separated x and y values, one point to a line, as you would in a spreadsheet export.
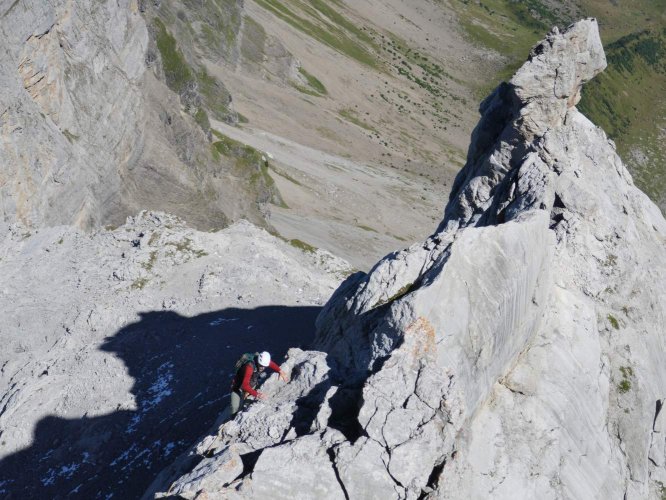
209	37
228	147
415	63
215	96
219	21
253	41
180	76
325	24
185	246
507	27
313	82
215	152
628	101
152	259
70	137
611	100
262	174
176	71
330	134
250	164
352	116
139	283
287	176
201	117
306	90
301	245
613	321
627	373
367	228
618	19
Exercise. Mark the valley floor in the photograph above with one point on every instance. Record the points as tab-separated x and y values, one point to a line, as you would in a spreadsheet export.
356	211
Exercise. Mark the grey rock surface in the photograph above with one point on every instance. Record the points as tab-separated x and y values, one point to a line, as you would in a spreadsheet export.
118	345
71	107
91	133
517	353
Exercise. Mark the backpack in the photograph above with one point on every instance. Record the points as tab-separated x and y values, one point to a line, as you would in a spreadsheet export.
246	358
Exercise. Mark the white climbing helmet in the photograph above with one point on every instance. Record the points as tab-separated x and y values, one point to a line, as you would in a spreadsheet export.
264	358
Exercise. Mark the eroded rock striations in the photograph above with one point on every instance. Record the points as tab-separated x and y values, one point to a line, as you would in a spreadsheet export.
519	352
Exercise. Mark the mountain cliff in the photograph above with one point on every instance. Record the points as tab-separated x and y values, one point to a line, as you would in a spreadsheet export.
103	116
517	352
116	107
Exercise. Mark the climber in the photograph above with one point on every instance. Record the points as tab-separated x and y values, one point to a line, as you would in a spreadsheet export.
248	369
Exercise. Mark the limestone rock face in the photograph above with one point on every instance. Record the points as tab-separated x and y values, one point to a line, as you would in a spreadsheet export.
90	133
519	352
71	107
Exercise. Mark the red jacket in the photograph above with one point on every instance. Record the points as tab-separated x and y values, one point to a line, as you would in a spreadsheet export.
245	374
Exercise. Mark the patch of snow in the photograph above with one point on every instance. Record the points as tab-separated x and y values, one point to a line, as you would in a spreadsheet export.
124	455
66	471
158	390
168	448
45	457
4	483
219	321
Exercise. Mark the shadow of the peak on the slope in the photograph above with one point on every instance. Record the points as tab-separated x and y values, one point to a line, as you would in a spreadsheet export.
182	369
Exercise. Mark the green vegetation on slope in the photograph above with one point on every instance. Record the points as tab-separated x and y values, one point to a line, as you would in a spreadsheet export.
628	100
176	70
352	116
302	245
204	92
625	384
218	21
508	27
253	41
215	96
229	147
250	164
313	82
321	21
633	61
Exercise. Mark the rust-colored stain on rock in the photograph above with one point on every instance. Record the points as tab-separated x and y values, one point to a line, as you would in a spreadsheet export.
422	335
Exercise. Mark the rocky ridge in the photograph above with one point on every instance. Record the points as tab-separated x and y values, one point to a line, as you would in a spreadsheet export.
517	352
117	344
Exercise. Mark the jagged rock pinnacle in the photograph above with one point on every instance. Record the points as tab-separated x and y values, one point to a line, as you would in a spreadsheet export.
516	353
550	81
